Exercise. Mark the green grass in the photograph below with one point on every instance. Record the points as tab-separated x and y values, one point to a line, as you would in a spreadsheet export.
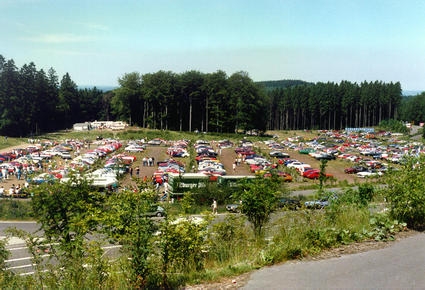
15	209
11	142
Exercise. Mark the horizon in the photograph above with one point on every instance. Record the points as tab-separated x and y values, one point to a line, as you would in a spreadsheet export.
315	41
110	87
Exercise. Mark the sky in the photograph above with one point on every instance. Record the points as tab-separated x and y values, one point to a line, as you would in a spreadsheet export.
98	41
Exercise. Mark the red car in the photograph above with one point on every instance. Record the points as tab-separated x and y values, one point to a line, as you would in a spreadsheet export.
315	174
308	171
285	176
254	167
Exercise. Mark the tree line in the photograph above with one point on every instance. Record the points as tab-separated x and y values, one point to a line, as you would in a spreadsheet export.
413	108
334	106
191	101
33	101
230	104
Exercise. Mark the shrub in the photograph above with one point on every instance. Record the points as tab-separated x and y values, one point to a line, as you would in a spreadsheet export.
405	193
383	228
228	240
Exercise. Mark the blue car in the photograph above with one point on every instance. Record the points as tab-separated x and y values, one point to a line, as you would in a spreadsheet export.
316	204
42	178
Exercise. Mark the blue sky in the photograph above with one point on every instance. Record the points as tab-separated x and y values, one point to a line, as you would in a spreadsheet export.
98	41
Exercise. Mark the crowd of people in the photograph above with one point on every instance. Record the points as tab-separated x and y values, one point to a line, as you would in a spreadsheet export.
17	190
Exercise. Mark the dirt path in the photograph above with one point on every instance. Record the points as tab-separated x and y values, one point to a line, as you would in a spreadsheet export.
158	153
227	158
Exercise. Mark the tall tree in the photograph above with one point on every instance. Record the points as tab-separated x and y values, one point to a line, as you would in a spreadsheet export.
28	99
158	90
69	102
9	83
215	88
249	103
191	84
127	102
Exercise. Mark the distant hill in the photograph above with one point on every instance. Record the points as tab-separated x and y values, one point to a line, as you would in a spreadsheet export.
271	85
102	88
411	93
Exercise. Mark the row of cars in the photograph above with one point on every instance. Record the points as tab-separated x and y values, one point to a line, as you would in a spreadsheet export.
80	166
261	165
369	156
287	203
304	169
207	158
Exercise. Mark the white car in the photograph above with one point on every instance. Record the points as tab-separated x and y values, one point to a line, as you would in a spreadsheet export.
367	174
256	160
297	165
134	148
65	155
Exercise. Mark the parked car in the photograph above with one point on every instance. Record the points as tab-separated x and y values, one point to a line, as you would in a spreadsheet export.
297	164
325	156
355	169
306	151
155	142
156	211
289	203
368	174
315	174
43	178
134	148
233	207
65	155
316	204
306	170
284	175
279	154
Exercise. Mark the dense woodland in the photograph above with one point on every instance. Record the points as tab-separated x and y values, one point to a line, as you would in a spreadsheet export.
33	101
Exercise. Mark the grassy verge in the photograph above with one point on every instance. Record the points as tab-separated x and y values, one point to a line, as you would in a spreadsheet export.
7	142
15	209
226	246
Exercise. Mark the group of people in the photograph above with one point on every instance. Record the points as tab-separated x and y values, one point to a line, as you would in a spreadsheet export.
137	171
148	161
13	190
19	172
238	161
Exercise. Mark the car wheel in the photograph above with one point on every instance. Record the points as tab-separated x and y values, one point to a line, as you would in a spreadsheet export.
159	214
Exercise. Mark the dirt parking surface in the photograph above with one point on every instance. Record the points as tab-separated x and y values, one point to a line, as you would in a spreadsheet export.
227	158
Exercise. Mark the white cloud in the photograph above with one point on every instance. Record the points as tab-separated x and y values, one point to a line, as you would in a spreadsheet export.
60	38
96	26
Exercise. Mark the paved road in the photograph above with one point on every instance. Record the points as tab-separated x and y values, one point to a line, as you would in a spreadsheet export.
400	266
20	260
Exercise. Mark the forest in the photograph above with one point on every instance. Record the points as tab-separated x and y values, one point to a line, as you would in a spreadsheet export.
33	101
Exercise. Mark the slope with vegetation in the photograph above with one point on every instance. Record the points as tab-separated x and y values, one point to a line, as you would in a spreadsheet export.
179	250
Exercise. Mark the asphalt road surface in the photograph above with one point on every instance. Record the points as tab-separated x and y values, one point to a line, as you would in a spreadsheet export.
400	266
20	260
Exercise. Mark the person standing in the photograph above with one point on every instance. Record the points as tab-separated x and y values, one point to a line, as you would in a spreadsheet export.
19	173
130	170
166	188
4	173
137	171
214	206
